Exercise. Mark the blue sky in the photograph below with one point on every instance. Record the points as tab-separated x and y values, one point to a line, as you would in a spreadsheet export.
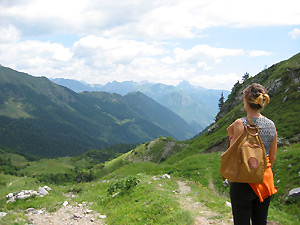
210	43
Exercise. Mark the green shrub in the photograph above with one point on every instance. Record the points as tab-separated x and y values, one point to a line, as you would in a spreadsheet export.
123	186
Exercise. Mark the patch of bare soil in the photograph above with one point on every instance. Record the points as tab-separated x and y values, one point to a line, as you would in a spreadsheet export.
202	215
66	215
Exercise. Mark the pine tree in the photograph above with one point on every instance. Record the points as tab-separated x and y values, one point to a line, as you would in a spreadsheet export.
221	101
246	77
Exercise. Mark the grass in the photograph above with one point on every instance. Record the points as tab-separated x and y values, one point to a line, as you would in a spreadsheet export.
153	201
47	166
150	202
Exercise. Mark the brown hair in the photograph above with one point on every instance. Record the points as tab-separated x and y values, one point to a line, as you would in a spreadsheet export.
256	95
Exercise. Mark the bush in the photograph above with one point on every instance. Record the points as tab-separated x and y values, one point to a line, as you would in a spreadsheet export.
123	186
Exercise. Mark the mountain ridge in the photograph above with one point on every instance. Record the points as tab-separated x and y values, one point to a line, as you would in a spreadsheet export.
39	116
199	113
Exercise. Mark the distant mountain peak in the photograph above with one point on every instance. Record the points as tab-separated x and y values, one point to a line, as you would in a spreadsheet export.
184	85
187	85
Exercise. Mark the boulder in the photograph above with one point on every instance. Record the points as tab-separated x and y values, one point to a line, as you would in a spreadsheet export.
294	194
47	188
42	191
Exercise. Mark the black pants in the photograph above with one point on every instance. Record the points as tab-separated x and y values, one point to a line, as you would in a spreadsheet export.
245	205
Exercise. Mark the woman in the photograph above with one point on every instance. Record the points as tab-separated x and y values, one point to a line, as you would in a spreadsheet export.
251	201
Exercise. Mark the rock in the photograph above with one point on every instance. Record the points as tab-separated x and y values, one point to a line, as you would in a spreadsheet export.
225	183
10	195
228	204
162	177
166	176
29	210
294	194
22	196
11	199
2	214
155	178
37	212
42	191
102	216
176	191
65	203
212	128
47	188
76	216
88	211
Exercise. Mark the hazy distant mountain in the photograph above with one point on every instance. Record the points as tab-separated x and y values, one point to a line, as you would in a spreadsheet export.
40	117
198	106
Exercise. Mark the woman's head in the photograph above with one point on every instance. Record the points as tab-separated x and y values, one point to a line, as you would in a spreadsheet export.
256	96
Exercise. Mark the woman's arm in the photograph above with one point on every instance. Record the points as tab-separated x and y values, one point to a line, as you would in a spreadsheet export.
235	129
273	150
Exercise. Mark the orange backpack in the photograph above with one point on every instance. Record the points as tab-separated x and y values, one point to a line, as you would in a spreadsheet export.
245	161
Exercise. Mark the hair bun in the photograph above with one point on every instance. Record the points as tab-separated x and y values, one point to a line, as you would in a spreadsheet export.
262	99
266	99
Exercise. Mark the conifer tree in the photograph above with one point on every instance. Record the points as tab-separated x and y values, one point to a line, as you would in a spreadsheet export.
221	101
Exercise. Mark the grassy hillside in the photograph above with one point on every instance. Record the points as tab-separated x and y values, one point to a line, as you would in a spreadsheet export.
131	188
45	119
194	183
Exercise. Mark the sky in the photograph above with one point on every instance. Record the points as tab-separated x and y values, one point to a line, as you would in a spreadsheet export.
210	43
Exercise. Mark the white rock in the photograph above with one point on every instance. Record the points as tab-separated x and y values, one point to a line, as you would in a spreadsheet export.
43	191
47	188
65	203
23	196
294	194
37	212
11	200
166	176
2	214
102	216
29	210
10	195
88	211
228	204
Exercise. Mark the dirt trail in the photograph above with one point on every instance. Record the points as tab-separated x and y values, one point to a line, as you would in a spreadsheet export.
202	215
68	214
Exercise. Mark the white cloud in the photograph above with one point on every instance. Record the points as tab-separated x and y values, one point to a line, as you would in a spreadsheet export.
9	34
38	57
99	50
256	53
295	34
135	40
219	81
145	19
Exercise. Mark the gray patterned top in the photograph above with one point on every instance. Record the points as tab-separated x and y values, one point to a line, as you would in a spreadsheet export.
267	130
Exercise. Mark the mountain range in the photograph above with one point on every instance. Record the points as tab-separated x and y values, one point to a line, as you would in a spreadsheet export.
198	106
42	118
